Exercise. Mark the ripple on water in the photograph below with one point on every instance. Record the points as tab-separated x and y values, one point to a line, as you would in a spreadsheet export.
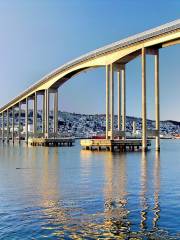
64	193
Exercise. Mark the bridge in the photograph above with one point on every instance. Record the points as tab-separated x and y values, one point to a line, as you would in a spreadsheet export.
114	57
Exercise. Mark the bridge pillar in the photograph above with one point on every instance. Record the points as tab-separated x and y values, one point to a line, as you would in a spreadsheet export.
124	101
107	101
47	113
26	114
12	124
19	121
7	119
112	101
55	128
2	126
35	114
144	122
157	108
43	114
119	98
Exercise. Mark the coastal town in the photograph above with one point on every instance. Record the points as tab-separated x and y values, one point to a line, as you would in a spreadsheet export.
91	125
88	126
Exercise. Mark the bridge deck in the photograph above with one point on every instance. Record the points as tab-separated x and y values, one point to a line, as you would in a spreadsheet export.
112	145
63	72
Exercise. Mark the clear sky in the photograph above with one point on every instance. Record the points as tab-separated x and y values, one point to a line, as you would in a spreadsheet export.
38	36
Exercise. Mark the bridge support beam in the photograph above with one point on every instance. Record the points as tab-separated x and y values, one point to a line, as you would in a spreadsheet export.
12	124
55	128
35	114
107	101
7	119
124	101
2	126
43	114
119	98
144	121
19	121
27	120
47	113
112	101
110	69
157	108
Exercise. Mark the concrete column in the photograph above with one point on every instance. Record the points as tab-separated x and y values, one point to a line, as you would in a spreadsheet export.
47	112
7	119
134	128
19	120
157	109
55	113
144	124
119	98
27	118
124	102
107	100
13	124
112	99
35	114
2	126
43	114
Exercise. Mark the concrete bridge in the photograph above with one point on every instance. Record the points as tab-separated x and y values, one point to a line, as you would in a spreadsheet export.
114	58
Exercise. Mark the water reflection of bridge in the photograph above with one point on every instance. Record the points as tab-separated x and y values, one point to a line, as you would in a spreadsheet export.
115	215
128	212
119	220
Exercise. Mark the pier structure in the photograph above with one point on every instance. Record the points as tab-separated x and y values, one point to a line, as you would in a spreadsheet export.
114	57
121	145
51	142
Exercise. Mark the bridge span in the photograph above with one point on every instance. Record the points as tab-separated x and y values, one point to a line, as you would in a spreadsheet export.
114	57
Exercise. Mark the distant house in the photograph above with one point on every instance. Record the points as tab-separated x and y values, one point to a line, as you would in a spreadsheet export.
30	128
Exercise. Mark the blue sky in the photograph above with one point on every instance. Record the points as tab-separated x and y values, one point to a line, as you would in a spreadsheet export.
39	36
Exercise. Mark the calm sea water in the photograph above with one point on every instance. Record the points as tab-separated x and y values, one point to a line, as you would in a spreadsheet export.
69	193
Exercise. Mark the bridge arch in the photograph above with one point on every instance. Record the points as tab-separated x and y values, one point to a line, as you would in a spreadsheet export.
114	57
